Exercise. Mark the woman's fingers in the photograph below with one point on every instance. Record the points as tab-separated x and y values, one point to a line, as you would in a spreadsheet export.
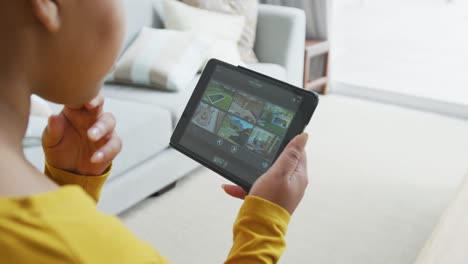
234	191
109	151
53	133
103	126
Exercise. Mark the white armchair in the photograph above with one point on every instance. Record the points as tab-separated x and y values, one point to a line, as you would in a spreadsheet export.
281	39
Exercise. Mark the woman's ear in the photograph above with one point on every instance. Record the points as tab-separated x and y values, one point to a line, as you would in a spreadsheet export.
47	12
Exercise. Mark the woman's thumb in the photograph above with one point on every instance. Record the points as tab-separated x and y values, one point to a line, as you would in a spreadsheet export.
53	133
290	157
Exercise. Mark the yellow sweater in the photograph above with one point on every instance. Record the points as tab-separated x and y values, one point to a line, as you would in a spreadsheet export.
64	226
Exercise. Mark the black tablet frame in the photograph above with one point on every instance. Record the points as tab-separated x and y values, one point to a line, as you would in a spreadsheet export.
297	126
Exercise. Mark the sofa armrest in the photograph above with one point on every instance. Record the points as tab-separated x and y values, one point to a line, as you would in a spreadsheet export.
449	239
280	39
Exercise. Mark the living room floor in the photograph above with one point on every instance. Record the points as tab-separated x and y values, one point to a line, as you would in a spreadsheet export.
380	177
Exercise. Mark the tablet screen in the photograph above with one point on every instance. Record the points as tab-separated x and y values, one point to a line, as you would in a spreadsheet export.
240	123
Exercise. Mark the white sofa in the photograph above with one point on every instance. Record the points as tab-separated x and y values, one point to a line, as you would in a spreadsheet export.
147	117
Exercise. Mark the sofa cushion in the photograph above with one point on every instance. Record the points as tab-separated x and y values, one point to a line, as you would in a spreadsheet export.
223	31
248	9
145	131
176	102
162	59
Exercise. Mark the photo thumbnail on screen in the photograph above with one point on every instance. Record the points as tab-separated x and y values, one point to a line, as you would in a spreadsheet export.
208	117
275	119
263	143
246	107
219	95
235	130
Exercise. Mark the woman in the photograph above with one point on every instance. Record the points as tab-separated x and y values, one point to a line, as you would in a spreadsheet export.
61	50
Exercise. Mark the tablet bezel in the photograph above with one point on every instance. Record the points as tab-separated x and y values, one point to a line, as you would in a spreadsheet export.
297	126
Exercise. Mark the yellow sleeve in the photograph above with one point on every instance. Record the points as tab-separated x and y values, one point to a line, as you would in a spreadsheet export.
259	232
91	184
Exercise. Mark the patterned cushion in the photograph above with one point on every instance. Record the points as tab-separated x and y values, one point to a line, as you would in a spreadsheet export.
162	59
222	31
246	8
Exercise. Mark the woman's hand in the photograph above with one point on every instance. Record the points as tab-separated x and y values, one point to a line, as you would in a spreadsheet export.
285	182
82	139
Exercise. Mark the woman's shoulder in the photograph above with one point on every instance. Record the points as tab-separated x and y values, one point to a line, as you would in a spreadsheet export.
67	223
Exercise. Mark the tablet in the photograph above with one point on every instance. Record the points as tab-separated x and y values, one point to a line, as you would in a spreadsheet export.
238	121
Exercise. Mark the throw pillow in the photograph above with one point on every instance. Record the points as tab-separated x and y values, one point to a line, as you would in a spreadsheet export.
246	8
162	59
222	30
